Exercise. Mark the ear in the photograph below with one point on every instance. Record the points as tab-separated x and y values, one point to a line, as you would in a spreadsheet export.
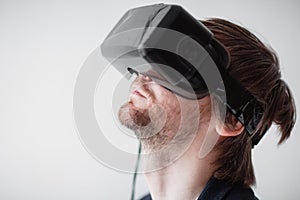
232	127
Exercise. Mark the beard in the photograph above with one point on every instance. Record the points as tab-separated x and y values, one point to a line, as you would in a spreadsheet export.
163	133
147	124
133	118
156	126
160	133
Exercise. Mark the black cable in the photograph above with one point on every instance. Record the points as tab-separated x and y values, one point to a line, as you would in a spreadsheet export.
135	172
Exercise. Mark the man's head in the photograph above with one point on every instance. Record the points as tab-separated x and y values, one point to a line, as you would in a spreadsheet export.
155	113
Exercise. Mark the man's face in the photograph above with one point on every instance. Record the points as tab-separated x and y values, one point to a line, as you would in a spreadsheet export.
150	110
157	115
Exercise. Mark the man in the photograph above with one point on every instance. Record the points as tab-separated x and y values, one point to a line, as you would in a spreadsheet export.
171	131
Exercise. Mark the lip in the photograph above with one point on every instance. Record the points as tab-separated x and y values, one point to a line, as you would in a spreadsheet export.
139	93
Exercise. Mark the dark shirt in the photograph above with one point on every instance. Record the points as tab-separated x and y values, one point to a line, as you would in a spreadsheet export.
216	189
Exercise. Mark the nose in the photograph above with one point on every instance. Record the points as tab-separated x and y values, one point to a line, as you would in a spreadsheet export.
144	78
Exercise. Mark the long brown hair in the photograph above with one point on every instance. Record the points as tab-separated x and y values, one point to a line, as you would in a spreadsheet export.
256	67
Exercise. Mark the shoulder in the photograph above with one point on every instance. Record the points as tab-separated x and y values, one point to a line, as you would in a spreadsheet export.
220	190
217	189
240	192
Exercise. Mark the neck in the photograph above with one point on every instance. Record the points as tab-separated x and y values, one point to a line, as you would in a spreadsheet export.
183	179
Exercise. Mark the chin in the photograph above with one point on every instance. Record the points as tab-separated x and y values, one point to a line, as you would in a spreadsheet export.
133	117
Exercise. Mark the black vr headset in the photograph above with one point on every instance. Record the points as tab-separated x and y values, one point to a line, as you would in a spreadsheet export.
165	43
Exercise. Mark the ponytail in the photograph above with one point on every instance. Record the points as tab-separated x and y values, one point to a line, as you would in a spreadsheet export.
278	101
282	109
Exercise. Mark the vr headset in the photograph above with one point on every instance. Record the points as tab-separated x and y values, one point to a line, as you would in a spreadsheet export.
165	43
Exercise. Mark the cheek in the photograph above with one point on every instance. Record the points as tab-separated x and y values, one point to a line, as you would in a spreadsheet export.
167	99
160	93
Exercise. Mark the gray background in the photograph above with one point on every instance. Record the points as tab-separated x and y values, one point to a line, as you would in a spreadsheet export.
43	44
